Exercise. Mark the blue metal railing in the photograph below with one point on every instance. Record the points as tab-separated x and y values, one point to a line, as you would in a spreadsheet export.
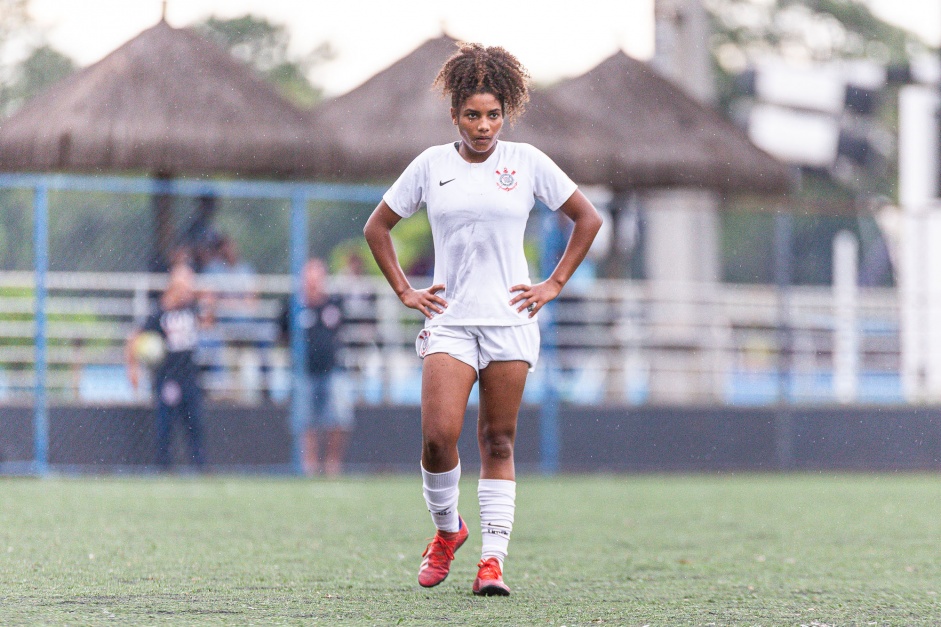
298	193
41	246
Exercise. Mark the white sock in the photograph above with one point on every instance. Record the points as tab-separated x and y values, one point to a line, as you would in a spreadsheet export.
497	504
441	495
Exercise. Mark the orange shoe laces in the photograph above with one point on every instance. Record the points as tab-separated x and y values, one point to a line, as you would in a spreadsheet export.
489	569
438	550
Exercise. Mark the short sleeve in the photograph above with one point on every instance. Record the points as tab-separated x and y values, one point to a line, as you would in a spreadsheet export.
550	184
408	192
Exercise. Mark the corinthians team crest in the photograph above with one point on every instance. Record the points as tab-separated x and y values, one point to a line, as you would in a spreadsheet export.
505	180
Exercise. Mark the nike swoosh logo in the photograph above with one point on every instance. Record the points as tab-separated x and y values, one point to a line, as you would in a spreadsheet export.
441	183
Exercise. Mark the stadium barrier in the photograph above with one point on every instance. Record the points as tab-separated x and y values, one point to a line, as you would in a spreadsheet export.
644	438
611	347
73	283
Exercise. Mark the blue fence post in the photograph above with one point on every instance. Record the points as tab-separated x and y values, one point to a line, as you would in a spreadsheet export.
298	356
41	261
553	243
298	194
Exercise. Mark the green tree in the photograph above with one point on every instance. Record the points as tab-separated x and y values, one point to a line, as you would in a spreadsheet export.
44	66
266	47
22	77
14	25
815	30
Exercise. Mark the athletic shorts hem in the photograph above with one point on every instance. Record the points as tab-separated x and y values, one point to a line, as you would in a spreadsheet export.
479	346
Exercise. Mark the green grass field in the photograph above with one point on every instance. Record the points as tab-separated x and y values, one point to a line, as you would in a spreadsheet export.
586	550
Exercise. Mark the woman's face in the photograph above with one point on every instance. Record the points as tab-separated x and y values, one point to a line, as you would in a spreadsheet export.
479	121
315	277
181	290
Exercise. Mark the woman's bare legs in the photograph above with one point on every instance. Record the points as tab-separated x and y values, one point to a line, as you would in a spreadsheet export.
501	394
446	385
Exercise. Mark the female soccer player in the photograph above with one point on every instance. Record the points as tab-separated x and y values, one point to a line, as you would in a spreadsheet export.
481	310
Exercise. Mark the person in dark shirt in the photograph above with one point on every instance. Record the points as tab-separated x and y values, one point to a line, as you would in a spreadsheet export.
321	319
176	375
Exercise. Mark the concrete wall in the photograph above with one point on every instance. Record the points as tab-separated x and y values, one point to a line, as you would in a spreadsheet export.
615	439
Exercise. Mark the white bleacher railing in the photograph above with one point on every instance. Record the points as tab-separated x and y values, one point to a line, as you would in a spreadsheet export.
619	342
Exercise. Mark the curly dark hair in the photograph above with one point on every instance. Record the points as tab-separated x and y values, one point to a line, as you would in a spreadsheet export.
475	69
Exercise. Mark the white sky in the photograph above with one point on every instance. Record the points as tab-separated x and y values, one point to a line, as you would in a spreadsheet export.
553	40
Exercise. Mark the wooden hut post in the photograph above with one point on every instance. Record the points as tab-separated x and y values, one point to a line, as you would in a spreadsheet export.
161	204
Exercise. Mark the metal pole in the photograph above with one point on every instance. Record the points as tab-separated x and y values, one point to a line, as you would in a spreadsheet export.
783	277
41	253
845	310
165	234
549	440
783	274
298	356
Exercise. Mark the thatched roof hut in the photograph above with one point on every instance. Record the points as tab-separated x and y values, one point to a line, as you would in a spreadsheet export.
380	126
619	125
662	136
167	102
582	147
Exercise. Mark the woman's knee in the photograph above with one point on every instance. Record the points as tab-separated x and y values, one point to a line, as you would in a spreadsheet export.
496	444
437	443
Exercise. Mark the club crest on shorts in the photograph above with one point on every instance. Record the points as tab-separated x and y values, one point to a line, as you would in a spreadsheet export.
505	179
421	343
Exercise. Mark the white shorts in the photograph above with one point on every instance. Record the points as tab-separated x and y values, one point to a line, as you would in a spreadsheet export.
478	346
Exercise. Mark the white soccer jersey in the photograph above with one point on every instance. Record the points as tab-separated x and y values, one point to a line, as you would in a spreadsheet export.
478	214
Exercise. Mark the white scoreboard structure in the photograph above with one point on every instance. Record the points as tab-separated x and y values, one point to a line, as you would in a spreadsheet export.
918	242
814	116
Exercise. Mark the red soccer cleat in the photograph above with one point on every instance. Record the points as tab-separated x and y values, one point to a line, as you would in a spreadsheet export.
489	580
439	554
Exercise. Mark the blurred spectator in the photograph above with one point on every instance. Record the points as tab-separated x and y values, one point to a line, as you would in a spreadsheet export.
239	311
167	342
206	249
326	408
181	254
210	352
225	258
358	296
358	377
201	235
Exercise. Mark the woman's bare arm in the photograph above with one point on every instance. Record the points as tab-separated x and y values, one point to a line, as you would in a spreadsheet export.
378	233
587	224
